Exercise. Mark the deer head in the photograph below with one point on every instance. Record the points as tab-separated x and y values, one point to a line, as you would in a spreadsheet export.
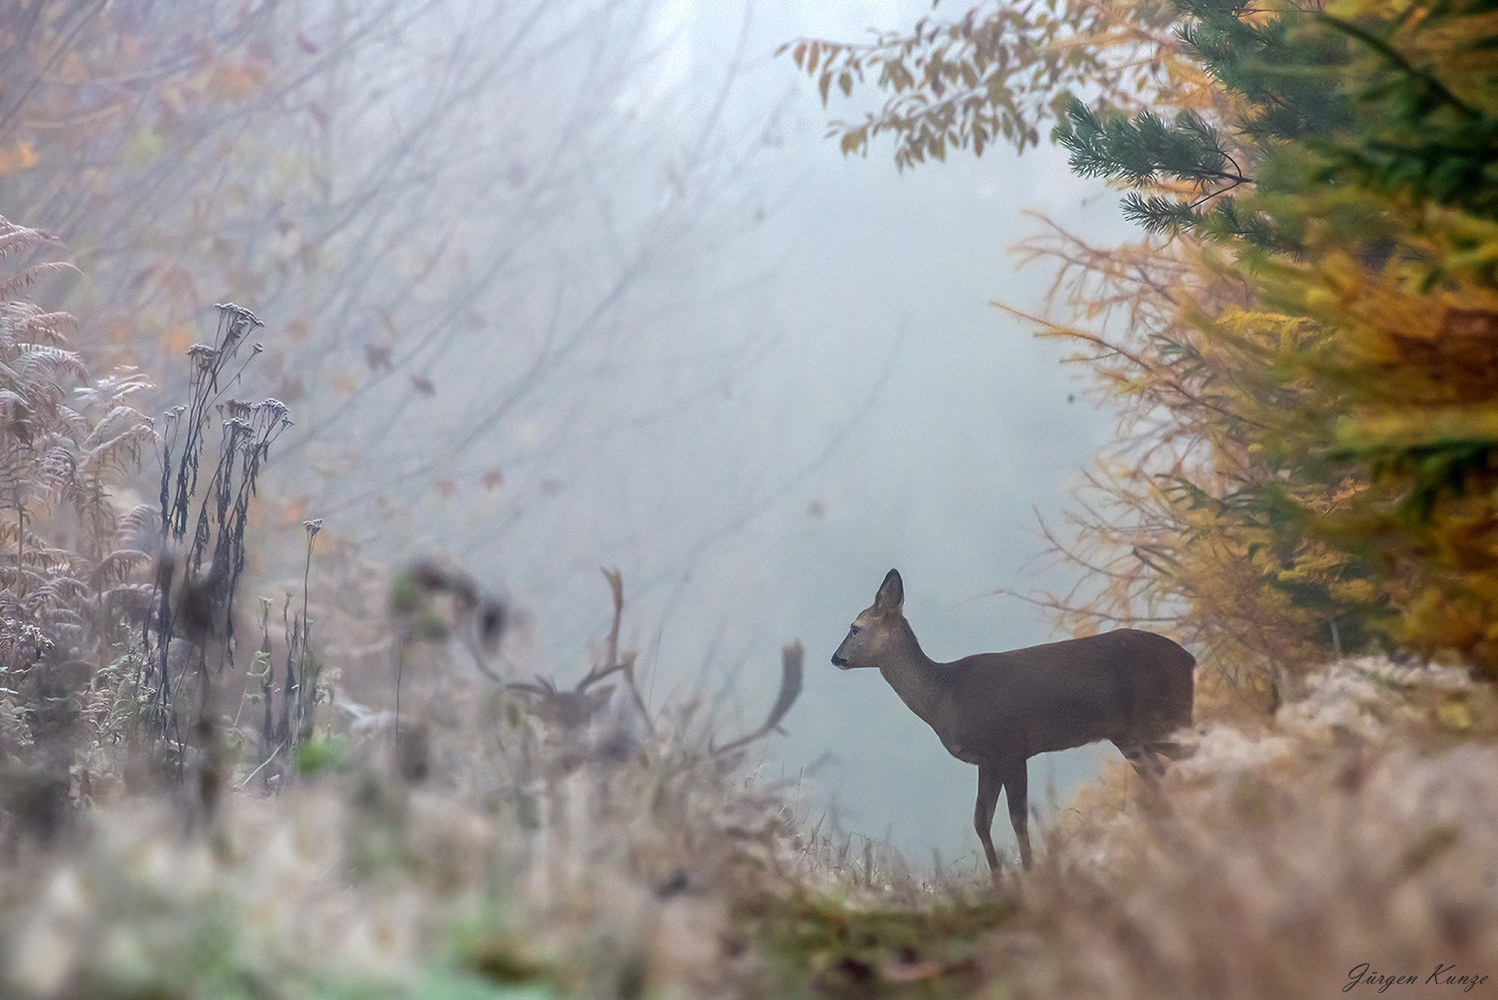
876	627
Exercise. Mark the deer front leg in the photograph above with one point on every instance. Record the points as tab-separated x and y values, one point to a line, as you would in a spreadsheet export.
1016	782
989	786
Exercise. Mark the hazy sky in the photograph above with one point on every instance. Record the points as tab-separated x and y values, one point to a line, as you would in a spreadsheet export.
557	285
887	415
799	384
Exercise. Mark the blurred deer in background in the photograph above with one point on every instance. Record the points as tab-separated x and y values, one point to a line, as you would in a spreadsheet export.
571	709
997	710
431	602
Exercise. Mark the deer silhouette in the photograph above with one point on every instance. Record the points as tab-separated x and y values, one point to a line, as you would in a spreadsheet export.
997	710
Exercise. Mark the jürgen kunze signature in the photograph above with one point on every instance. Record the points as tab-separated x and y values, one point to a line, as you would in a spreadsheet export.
1445	975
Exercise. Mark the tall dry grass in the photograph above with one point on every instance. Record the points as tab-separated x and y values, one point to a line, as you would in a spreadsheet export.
625	858
1355	832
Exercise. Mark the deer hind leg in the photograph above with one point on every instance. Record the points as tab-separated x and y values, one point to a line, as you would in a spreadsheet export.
1172	750
989	785
1145	758
1017	793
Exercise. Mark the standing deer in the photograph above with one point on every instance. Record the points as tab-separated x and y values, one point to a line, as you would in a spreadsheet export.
997	710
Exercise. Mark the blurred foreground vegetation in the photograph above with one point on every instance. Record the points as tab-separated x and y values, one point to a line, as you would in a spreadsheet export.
1355	826
204	793
367	809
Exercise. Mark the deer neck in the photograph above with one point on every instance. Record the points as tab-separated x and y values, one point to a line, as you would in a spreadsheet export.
916	678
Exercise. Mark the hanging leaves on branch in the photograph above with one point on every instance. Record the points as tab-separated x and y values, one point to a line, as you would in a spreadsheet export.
997	74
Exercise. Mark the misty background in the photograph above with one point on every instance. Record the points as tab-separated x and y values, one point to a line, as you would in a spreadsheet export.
822	391
556	286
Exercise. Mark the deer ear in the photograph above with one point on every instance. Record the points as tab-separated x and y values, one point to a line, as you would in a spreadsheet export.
891	592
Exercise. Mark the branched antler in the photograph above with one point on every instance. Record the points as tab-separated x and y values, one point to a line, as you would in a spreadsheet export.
626	665
564	709
790	689
573	708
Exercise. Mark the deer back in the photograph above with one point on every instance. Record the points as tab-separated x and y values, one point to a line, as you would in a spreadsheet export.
1125	686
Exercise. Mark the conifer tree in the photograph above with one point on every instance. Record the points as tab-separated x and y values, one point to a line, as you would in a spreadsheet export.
1314	311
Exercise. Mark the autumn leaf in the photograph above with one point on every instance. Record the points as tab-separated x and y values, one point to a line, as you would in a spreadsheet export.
178	339
377	356
19	157
235	81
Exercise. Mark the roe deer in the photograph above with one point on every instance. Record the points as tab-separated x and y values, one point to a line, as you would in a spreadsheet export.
997	710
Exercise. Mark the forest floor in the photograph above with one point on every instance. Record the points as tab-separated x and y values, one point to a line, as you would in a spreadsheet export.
1347	844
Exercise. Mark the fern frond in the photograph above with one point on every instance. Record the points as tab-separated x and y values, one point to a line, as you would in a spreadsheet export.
115	568
52	358
109	391
31	275
141	516
120	451
15	239
58	468
37	326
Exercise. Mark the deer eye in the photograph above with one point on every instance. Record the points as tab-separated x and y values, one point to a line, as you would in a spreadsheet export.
852	629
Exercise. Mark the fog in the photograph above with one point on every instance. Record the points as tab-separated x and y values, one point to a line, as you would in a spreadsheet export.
886	415
623	305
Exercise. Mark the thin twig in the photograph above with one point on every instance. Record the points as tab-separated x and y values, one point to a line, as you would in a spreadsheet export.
251	775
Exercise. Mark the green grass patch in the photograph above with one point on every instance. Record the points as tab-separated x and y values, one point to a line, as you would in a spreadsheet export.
821	945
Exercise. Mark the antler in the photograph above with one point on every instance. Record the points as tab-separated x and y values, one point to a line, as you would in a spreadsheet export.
543	687
598	673
567	709
626	664
575	707
790	690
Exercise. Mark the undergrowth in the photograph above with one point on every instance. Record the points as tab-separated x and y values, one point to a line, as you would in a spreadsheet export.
1355	827
390	805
